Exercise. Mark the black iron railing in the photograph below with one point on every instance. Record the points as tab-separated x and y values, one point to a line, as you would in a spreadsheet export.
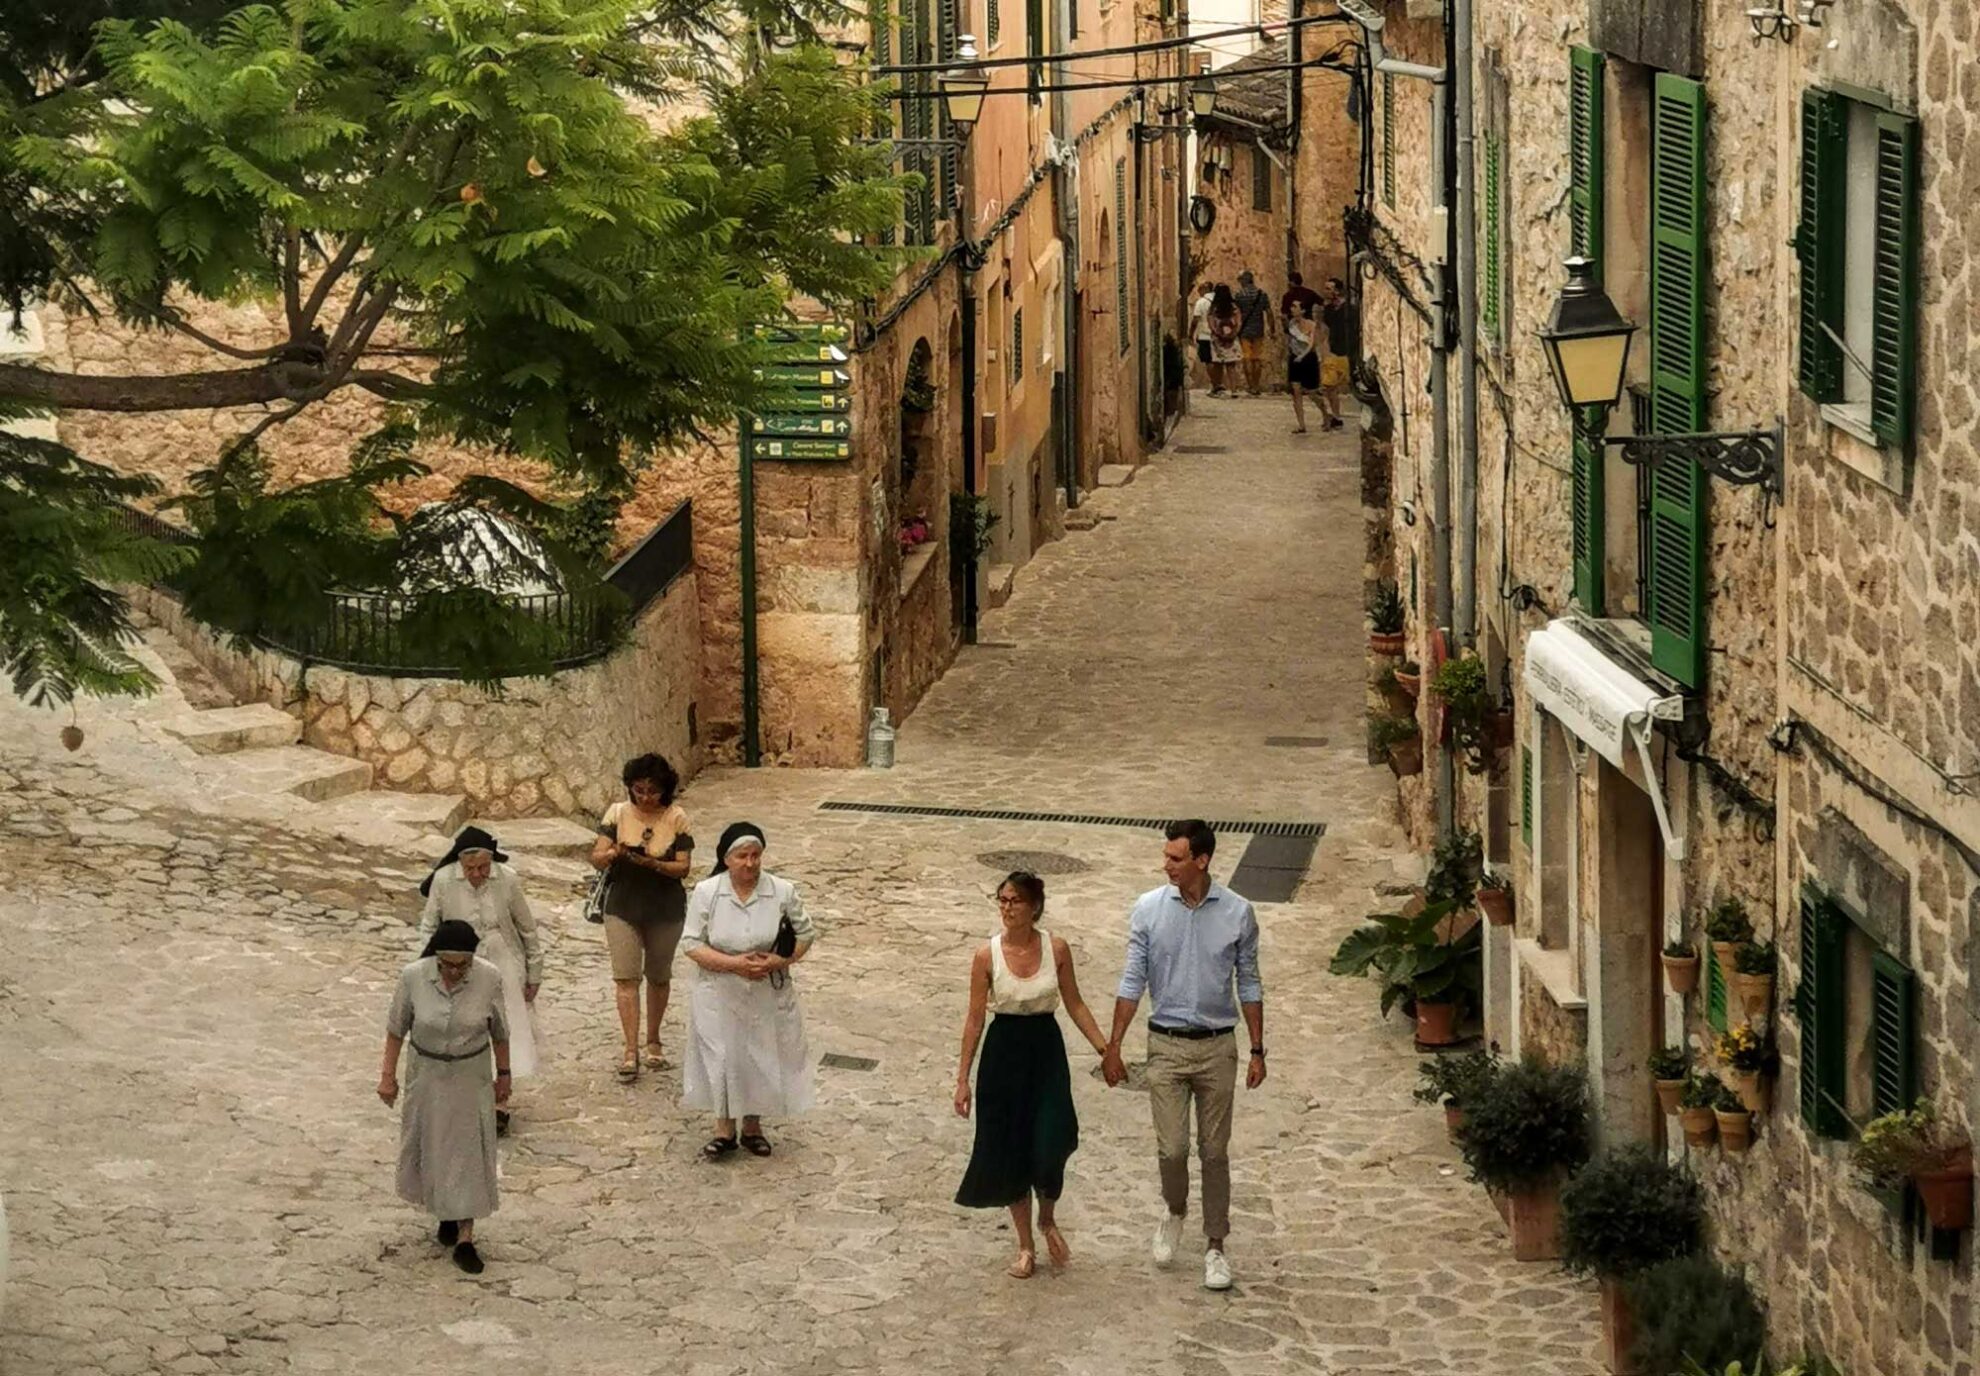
652	565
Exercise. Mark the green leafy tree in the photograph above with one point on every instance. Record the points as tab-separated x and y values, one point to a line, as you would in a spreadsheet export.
458	205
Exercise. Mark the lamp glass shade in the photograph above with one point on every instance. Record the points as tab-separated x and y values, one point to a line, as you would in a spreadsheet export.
1202	96
963	85
1587	341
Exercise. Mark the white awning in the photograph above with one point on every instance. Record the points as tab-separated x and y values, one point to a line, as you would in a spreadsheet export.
1603	704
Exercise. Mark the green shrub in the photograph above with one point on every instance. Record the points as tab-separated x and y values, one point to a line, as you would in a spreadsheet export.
1628	1210
1895	1145
1385	610
1670	1063
1459	1079
1454	869
1728	921
1680	949
1390	731
1726	1099
1700	1091
1756	958
1528	1125
1693	1309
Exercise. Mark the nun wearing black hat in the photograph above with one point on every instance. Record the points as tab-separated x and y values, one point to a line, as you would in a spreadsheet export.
746	1055
449	1010
474	884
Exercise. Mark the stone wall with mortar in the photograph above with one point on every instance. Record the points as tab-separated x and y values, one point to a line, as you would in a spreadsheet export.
541	747
1327	166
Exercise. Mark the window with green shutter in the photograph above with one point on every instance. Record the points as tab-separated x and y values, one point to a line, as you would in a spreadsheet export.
1894	325
993	24
1855	1063
1017	346
1526	795
1818	242
883	55
1034	45
948	28
1819	1005
1121	253
1389	140
1715	991
1489	284
1585	230
1675	559
1891	1029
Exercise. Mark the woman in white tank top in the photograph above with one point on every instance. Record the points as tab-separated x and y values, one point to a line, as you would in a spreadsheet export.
1026	1127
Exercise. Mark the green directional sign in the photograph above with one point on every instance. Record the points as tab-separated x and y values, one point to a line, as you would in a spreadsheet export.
806	332
798	426
771	447
803	377
788	355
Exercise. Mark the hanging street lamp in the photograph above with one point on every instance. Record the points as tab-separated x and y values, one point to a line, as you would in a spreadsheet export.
963	86
1202	97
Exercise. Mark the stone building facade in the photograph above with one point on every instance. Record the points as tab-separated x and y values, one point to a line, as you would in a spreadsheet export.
1791	681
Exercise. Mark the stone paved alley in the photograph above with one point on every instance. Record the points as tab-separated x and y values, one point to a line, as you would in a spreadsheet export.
198	1174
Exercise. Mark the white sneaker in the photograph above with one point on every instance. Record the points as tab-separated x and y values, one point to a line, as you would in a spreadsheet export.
1167	1234
1216	1271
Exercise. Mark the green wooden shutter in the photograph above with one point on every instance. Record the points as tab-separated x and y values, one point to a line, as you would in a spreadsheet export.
1590	549
1121	252
1034	45
1819	240
883	56
993	24
1585	170
1389	140
1892	1071
1489	286
948	26
1894	300
1818	1002
1526	795
1715	991
1017	345
1676	556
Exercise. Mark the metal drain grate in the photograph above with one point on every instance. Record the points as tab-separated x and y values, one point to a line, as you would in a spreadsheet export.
838	1060
1200	449
1084	819
1295	742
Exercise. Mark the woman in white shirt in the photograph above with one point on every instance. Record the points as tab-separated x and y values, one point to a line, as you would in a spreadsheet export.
1026	1127
746	1053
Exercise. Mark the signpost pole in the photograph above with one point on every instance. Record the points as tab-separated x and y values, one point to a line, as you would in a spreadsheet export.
752	749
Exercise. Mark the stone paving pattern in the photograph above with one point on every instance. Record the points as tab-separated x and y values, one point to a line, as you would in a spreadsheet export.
199	1176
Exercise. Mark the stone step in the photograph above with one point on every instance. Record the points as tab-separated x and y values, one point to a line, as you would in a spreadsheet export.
558	836
302	770
1116	474
226	730
438	813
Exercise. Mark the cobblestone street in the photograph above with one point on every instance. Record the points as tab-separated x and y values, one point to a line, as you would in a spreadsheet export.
198	1175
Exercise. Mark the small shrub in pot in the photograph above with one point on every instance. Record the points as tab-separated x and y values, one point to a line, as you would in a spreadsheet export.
1525	1131
1626	1211
1681	966
1668	1067
1454	1081
1692	1307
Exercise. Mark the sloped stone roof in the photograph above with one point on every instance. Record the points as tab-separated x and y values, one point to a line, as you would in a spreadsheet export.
1251	100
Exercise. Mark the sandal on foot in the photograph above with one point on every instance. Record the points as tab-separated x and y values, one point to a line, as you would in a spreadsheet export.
629	1067
1055	1244
756	1144
715	1148
652	1056
1023	1267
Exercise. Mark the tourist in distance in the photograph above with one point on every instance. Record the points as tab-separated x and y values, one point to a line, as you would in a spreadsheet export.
449	1006
1199	316
746	1056
1343	322
1224	351
1296	307
1252	304
644	846
1026	1127
1193	950
474	884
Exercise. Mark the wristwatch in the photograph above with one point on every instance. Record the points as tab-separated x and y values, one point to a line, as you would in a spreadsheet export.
1259	1052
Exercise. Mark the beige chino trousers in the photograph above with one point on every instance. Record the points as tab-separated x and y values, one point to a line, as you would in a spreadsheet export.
1182	1071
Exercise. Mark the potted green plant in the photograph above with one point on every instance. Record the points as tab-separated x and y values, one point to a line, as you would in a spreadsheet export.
1401	740
1454	1081
1623	1213
1754	965
1668	1068
1734	1121
1427	961
1409	678
1748	1054
1522	1135
1726	926
1695	1110
1386	620
1393	697
1681	966
1495	898
1913	1144
1469	707
1456	863
1692	1307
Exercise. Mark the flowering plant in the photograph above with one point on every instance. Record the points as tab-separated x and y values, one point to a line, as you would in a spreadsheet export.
1745	1048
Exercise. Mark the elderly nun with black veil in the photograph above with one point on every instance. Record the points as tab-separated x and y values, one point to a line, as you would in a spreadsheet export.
449	1009
746	1057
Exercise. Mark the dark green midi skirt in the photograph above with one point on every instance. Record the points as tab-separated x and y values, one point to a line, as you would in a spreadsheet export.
1025	1123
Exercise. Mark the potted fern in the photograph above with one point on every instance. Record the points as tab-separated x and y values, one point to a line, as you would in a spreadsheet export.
1621	1214
1385	620
1696	1102
1681	966
1912	1144
1734	1121
1754	965
1668	1068
1727	927
1526	1130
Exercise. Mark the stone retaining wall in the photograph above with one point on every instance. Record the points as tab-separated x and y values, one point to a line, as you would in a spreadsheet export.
543	747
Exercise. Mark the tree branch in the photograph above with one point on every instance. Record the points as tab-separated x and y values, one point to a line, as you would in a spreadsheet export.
219	346
333	271
292	281
203	391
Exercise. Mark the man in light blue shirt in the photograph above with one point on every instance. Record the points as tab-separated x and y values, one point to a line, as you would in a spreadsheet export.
1193	950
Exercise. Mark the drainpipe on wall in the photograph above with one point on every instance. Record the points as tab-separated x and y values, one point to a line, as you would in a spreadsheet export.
1295	110
1140	292
966	266
1364	13
1065	208
1466	624
752	748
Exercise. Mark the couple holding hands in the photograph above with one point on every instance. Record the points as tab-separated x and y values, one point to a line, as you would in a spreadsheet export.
1193	951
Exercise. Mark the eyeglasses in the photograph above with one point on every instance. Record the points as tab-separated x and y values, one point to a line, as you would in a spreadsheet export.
455	964
1012	900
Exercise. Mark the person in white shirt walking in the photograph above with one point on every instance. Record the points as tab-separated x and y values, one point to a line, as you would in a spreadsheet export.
1199	314
1193	950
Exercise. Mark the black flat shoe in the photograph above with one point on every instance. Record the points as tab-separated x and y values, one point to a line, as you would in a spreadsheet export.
450	1232
501	1122
756	1144
468	1259
715	1148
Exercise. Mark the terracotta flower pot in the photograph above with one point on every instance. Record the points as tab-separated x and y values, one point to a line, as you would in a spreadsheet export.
1727	954
1453	1117
1752	1088
1735	1131
1411	684
1497	905
1756	994
1499	730
1667	1095
1948	1194
1385	642
1701	1125
1502	1203
1436	1024
1534	1216
1618	1327
1406	757
1682	973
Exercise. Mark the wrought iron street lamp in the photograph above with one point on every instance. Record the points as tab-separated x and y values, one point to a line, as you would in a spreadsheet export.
1202	97
963	86
1587	343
